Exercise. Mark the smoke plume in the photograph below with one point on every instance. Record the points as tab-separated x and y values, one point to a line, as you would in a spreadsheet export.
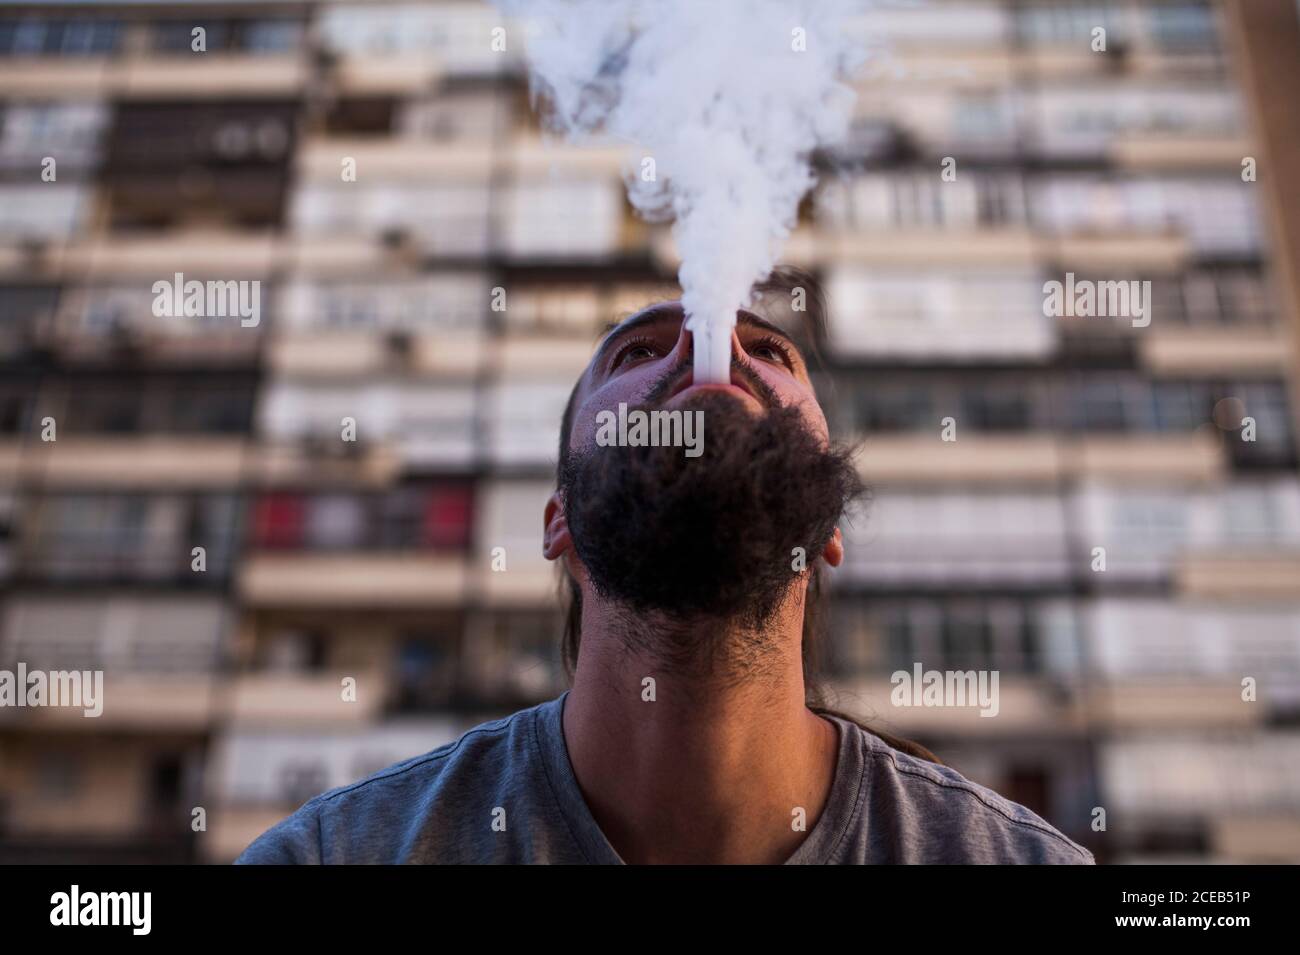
727	97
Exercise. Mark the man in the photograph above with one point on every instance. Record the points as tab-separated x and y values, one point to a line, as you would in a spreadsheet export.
688	735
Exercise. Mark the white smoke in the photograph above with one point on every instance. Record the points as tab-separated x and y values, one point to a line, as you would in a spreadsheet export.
728	97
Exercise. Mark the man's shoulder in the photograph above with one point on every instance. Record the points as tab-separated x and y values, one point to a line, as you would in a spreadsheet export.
941	816
374	818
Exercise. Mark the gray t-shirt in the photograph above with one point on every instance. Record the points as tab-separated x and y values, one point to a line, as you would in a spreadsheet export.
884	806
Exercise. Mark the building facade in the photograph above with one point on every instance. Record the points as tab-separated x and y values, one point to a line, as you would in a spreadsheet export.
288	323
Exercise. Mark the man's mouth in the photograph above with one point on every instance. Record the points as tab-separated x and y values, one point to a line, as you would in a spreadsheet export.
737	386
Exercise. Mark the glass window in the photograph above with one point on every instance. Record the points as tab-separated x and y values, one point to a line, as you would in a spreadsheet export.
272	36
996	409
29	37
178	37
1183	26
1176	407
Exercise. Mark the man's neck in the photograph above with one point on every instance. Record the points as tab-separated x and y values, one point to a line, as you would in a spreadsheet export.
701	769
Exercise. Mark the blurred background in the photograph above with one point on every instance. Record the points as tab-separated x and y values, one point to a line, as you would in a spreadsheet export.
372	559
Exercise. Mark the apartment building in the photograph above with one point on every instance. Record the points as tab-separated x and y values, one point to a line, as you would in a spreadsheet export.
1078	502
305	543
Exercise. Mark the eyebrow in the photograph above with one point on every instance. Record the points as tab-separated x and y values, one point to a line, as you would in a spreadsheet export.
665	310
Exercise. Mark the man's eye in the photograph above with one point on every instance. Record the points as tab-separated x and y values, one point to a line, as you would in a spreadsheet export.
635	353
771	350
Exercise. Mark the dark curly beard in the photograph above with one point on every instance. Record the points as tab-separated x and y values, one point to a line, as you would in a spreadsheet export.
678	542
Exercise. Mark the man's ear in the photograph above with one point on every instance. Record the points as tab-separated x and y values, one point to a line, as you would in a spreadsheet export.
833	553
555	534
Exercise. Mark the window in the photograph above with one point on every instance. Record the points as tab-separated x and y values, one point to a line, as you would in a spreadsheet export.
447	518
1176	407
33	37
960	634
278	521
894	408
272	36
996	409
70	131
1069	23
513	655
178	37
294	651
426	672
1109	404
1156	519
1182	27
559	218
166	782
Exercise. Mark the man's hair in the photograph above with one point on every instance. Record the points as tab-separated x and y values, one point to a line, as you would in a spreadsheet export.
783	282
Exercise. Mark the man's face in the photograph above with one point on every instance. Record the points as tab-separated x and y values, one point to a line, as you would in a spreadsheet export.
722	536
646	361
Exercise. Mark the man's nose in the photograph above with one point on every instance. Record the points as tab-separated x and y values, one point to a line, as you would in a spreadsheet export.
684	347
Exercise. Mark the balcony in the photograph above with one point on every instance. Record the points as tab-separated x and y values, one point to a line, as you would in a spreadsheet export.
55	76
132	702
1272	838
1073	61
1195	457
1156	153
1171	704
1037	458
890	247
206	76
1215	351
385	580
292	699
527	586
130	461
955	68
1024	705
402	75
1127	250
341	354
1243	575
298	464
228	254
320	159
982	459
555	359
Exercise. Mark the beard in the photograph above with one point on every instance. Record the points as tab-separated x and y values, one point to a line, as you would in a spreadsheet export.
691	547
